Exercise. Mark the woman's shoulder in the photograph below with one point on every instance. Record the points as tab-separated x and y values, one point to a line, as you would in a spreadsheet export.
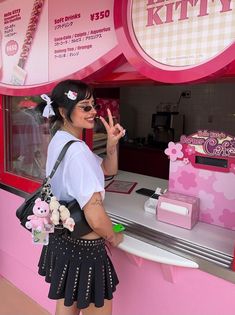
61	138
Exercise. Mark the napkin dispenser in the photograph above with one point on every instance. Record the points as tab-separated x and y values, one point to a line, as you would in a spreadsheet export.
178	209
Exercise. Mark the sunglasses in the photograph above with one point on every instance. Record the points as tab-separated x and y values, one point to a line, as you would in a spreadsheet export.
88	108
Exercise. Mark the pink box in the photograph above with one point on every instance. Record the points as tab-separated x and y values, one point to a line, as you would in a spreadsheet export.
178	209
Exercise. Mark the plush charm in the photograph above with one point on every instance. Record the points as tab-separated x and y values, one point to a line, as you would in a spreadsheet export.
54	208
41	216
69	224
64	213
67	221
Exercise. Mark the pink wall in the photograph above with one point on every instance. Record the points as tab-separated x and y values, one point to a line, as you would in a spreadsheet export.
18	257
142	290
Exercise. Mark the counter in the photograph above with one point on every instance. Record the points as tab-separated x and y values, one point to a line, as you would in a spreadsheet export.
207	247
157	265
154	253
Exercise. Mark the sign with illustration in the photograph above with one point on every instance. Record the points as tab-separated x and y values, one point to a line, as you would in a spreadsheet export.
45	40
185	33
203	165
172	41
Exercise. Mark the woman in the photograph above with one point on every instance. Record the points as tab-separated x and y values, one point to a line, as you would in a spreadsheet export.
80	271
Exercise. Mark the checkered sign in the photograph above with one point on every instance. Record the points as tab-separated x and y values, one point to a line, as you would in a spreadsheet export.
182	33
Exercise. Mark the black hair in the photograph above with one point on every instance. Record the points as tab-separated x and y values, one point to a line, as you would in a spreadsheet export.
60	98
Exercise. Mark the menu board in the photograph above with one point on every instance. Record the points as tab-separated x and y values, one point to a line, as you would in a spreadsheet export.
79	34
43	41
46	40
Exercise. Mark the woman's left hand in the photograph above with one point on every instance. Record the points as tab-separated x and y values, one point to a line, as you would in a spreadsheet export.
114	131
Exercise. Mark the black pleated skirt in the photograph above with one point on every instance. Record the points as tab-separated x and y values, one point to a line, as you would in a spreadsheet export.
78	270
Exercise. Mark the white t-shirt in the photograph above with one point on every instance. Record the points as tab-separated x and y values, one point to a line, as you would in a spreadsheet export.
79	175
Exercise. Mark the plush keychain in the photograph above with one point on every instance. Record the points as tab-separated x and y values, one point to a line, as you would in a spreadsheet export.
54	208
67	221
61	214
41	217
40	222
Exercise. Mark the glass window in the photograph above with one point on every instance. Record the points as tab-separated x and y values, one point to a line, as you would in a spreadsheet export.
26	137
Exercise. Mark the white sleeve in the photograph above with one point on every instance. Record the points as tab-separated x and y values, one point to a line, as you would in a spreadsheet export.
98	158
83	177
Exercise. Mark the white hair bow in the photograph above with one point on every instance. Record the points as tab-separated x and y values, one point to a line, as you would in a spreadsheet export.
48	110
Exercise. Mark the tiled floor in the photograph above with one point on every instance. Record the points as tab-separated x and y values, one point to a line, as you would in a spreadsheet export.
15	302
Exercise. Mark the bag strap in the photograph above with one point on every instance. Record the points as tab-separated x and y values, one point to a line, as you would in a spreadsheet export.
60	157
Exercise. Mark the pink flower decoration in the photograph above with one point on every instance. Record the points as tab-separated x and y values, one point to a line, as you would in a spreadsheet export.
232	168
190	150
224	185
206	217
228	218
174	151
187	180
186	160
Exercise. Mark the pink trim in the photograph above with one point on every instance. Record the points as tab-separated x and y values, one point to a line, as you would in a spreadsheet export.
192	160
89	71
211	168
155	70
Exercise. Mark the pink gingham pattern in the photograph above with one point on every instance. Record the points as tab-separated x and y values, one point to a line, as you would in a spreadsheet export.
186	42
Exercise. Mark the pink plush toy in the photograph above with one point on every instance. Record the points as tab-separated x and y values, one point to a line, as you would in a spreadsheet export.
41	216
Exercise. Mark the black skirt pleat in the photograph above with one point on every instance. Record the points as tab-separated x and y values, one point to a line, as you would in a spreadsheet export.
99	283
78	270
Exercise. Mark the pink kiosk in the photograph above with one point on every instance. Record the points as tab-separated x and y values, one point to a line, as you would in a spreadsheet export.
163	268
201	165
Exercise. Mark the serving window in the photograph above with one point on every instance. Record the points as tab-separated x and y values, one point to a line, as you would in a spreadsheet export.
25	136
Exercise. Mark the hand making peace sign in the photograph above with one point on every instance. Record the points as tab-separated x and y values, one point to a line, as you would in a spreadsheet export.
114	131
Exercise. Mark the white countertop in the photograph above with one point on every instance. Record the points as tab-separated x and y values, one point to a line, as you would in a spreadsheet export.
131	207
154	253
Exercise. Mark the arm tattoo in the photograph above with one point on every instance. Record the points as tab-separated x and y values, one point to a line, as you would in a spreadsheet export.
111	151
97	202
